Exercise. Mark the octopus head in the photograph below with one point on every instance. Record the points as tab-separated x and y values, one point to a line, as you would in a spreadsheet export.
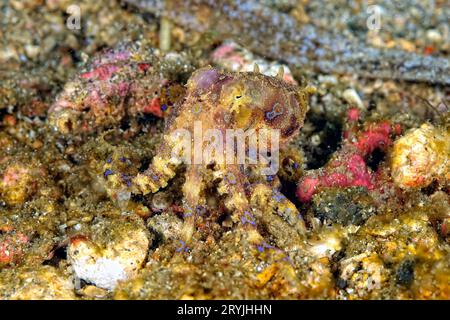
251	100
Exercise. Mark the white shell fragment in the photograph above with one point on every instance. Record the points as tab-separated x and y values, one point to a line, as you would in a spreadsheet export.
352	98
117	255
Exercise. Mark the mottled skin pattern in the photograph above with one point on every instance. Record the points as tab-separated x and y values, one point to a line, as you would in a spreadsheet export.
230	101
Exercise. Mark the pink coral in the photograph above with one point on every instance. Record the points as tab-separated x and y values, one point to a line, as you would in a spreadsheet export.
348	167
116	83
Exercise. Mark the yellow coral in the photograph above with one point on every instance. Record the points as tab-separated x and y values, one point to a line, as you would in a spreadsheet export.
421	156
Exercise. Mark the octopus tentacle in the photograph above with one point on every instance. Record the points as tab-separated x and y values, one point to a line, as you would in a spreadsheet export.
161	170
194	199
232	187
263	197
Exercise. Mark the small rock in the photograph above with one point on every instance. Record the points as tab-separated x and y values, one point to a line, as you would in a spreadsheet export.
434	36
421	156
344	206
352	98
405	273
